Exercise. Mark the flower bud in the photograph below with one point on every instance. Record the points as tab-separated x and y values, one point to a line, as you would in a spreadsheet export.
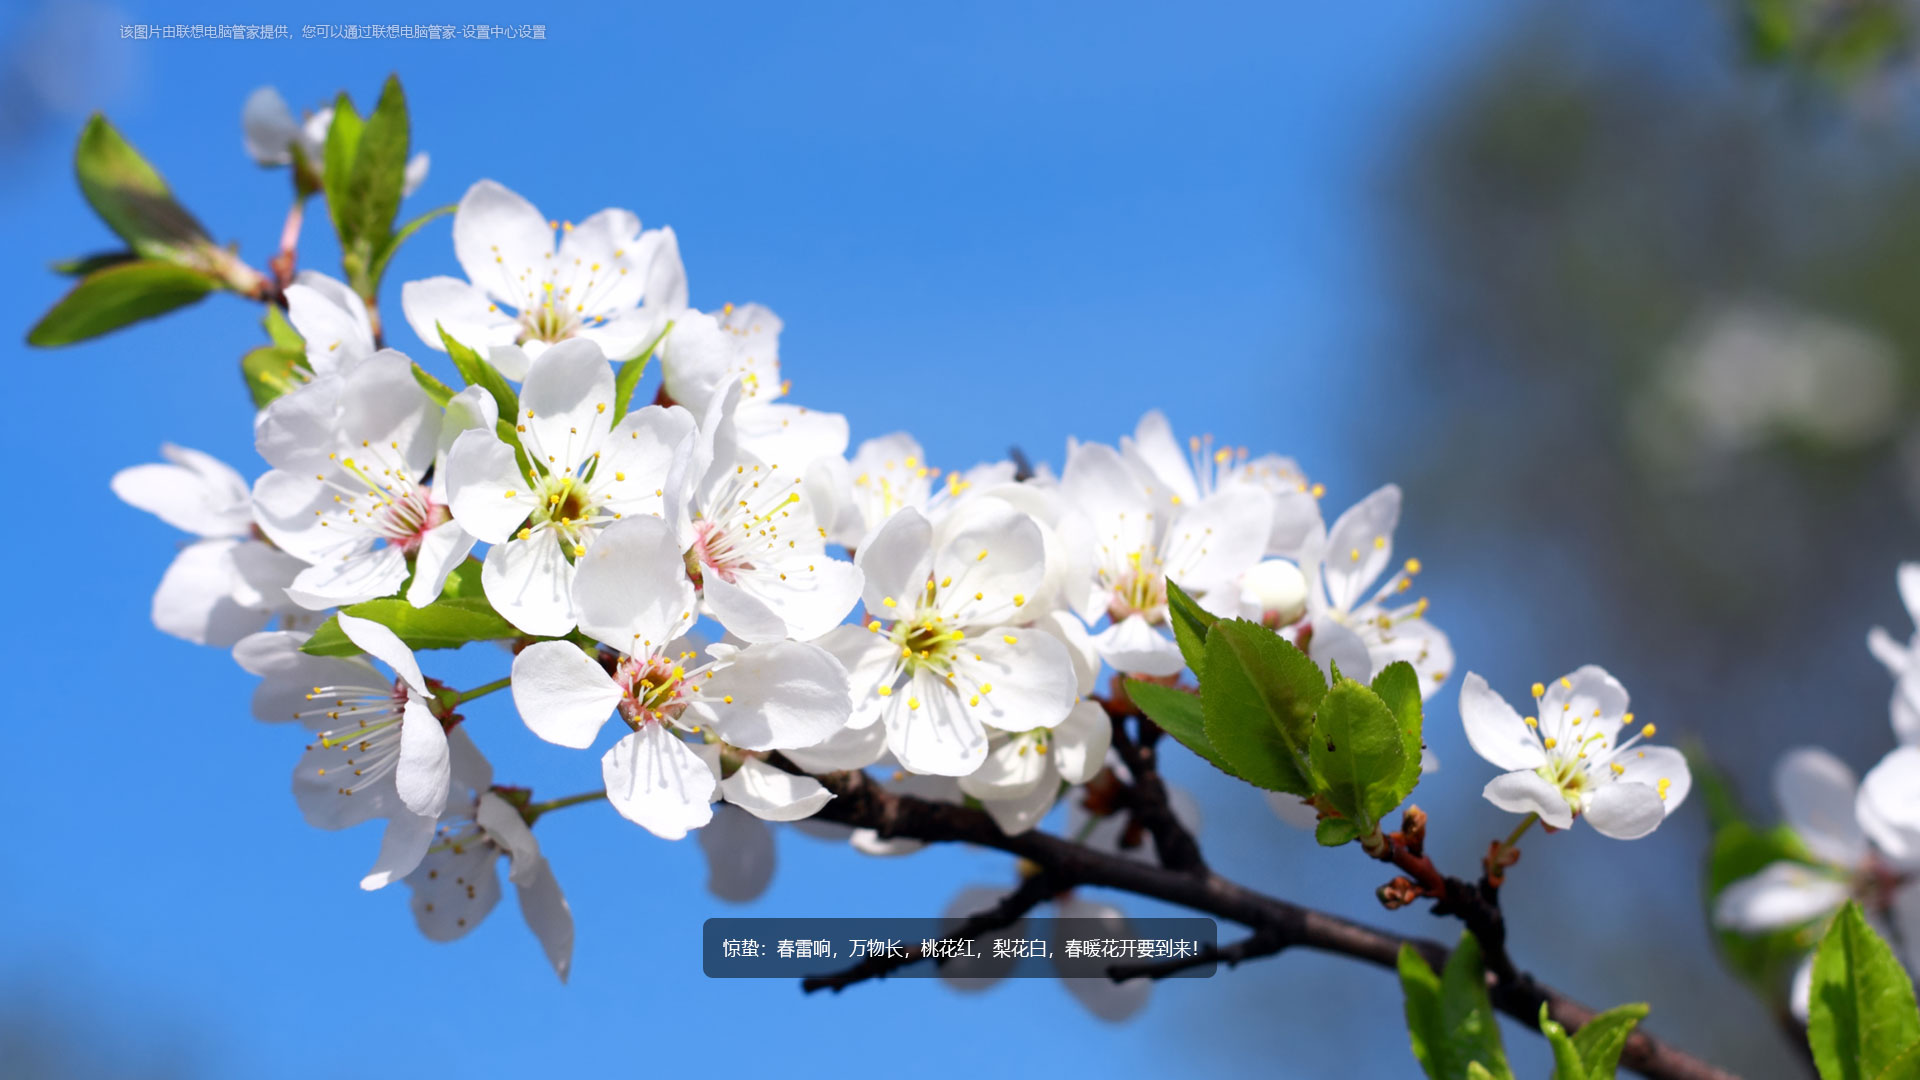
1279	588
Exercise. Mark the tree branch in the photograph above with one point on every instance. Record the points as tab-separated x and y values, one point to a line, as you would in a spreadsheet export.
1253	946
861	802
1176	846
1037	889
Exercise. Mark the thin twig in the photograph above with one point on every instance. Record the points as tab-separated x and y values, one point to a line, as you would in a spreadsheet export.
1253	946
1037	889
1176	846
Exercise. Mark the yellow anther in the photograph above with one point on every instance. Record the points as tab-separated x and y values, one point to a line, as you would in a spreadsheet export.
1009	639
888	602
1532	723
1663	786
886	691
982	555
1413	566
1616	767
1379	543
986	687
511	493
1647	732
1019	600
728	699
1552	742
913	703
975	700
1564	684
874	626
1539	690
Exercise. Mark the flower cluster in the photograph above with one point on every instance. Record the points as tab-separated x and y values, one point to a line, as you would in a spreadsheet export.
757	603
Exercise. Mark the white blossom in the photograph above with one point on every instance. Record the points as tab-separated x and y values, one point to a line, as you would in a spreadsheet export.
1364	633
706	355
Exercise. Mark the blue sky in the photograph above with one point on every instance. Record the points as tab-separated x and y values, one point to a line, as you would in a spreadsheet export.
988	224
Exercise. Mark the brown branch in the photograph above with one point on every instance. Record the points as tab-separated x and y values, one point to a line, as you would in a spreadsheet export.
1037	889
1177	848
863	803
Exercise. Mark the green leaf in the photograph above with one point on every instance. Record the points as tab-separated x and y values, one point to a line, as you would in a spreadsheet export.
117	295
1399	687
132	198
1258	695
1357	751
1601	1040
87	264
1179	714
1450	1019
343	143
1863	1024
1477	1071
1566	1059
374	184
1190	625
271	371
461	615
1334	831
630	372
281	332
475	369
440	392
384	253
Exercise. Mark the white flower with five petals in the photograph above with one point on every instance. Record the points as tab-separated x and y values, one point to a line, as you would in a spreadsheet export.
1187	478
944	657
705	355
1579	756
332	319
458	882
584	473
1364	633
382	749
1024	771
349	493
607	281
632	593
1143	538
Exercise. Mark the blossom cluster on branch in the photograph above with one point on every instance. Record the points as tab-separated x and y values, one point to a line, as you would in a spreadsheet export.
787	627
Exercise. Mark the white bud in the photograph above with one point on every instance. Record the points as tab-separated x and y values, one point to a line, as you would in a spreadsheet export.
1279	588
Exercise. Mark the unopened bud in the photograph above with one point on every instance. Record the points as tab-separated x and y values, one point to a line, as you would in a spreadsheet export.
1279	588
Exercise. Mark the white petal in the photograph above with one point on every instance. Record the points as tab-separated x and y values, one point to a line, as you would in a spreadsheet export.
1360	545
739	851
1134	647
422	775
1625	811
384	645
1893	656
772	794
402	847
1029	672
743	614
658	782
1494	730
300	428
1103	998
1022	812
995	557
1661	768
563	695
564	404
1816	793
895	561
1071	632
444	547
462	310
333	321
1783	895
546	913
1080	742
507	828
631	589
1158	457
288	675
1889	806
502	243
1524	792
415	175
1012	769
638	460
487	494
931	730
1591	694
1334	644
530	583
454	890
1908	578
848	748
776	697
791	435
1293	811
195	601
196	493
369	575
1209	545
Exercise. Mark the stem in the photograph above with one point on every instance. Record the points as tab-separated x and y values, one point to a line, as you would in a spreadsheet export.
532	811
465	696
282	264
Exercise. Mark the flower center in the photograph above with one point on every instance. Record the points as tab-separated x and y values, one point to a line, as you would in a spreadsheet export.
406	519
653	690
714	550
547	321
1141	589
567	508
926	644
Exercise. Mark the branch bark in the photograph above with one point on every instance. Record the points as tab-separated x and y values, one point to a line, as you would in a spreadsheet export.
1277	924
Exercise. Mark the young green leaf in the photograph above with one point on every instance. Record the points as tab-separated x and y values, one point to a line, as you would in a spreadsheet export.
281	332
462	614
1602	1039
117	295
475	369
87	264
1190	625
1863	1024
1450	1019
383	253
1357	752
440	392
133	199
1179	714
1566	1059
1334	831
1399	686
379	173
343	143
270	371
1258	695
629	375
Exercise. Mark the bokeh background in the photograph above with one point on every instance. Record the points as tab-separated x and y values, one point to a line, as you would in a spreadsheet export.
1629	314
